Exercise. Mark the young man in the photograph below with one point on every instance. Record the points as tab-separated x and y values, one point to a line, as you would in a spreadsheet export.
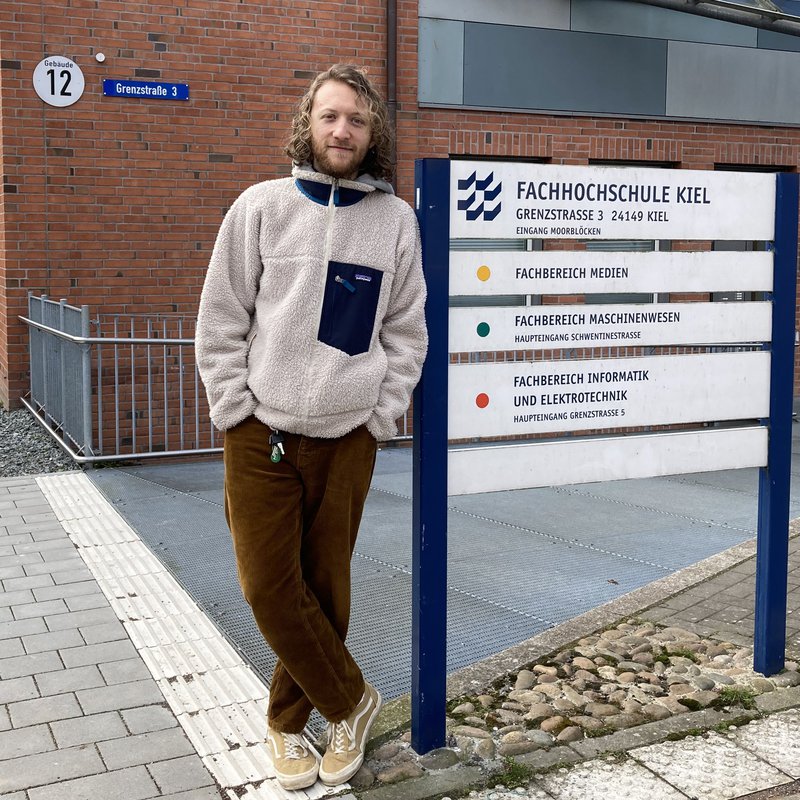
310	339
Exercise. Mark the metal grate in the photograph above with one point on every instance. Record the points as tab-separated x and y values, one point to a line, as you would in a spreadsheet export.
519	562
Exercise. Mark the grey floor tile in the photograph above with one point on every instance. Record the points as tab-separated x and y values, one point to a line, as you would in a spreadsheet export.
26	742
28	582
122	696
86	730
44	709
81	619
101	653
16	689
128	784
41	769
131	669
40	642
29	665
146	748
80	589
69	680
104	632
149	718
181	774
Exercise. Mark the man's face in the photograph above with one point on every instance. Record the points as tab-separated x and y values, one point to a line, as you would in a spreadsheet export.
340	130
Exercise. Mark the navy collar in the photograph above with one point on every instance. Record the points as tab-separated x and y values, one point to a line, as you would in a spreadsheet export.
321	193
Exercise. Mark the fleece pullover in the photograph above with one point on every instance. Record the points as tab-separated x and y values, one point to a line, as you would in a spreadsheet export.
312	312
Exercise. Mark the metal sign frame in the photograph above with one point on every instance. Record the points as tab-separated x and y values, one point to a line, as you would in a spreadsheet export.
430	458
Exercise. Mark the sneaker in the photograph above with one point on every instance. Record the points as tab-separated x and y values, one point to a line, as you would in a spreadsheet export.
348	738
296	763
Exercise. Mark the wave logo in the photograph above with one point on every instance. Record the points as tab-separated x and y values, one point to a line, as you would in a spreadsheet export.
476	205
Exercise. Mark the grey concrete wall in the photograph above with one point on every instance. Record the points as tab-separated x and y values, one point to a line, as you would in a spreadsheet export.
604	57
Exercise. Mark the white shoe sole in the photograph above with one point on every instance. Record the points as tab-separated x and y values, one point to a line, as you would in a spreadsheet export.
294	782
344	774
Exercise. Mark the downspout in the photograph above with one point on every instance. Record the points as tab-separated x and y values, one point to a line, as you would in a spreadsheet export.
391	76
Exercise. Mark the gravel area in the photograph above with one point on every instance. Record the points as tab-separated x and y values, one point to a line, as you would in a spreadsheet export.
27	449
625	676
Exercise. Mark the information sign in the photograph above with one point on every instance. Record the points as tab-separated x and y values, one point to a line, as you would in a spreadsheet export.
562	462
733	399
504	328
58	80
542	201
557	272
522	397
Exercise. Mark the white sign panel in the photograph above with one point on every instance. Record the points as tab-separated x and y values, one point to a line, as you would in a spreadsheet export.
552	396
501	200
557	272
58	80
557	463
580	326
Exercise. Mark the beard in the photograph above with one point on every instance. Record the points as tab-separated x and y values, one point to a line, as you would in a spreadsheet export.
335	166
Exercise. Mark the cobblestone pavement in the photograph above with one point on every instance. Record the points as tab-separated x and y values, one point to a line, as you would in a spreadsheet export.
114	685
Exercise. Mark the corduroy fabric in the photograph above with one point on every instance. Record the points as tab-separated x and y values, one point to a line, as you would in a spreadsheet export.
294	526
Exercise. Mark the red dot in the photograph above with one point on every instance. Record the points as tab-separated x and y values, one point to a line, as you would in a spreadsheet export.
482	400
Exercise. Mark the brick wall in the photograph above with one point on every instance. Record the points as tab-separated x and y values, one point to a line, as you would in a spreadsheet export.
115	202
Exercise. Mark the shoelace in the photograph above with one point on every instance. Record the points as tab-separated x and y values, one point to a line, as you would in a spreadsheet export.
294	746
341	737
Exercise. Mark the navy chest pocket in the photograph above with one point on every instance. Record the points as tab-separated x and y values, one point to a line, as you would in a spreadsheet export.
348	307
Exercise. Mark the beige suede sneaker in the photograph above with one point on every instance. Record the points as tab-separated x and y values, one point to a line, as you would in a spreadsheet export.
296	762
348	738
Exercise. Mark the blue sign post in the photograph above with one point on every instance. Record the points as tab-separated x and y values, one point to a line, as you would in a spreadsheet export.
610	211
772	549
429	551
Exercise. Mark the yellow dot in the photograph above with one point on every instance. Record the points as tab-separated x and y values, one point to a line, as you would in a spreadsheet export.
484	273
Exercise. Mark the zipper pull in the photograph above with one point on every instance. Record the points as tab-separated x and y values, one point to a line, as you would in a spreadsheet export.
346	283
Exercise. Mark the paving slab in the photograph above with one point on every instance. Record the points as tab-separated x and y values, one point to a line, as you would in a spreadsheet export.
87	730
624	780
775	740
128	784
27	772
709	766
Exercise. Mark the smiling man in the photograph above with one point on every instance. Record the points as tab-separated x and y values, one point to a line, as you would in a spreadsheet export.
310	339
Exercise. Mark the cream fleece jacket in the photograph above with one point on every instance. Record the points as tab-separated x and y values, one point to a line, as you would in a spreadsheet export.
312	312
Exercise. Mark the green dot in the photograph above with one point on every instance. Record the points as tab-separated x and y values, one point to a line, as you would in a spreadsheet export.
483	329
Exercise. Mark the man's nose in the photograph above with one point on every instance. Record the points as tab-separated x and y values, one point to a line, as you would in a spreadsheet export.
341	130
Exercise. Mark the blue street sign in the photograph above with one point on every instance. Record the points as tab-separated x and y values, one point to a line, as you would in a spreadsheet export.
154	90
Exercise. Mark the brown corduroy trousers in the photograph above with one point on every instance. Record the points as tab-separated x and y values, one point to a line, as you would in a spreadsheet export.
294	527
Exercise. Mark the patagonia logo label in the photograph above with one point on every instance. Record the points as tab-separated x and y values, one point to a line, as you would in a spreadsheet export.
361	277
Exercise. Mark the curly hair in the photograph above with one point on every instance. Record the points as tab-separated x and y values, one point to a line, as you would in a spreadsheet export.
379	161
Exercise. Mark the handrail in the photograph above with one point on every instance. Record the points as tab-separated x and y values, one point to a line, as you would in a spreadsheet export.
70	337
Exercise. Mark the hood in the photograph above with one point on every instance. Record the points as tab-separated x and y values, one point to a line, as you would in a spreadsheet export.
364	183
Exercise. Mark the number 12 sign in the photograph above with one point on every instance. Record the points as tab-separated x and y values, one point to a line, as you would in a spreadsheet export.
58	81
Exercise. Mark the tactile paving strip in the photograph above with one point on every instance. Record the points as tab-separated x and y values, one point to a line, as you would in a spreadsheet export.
776	739
216	697
710	767
607	780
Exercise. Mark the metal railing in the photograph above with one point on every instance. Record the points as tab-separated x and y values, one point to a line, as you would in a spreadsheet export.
120	386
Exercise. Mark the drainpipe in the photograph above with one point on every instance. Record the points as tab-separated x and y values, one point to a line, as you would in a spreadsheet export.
391	75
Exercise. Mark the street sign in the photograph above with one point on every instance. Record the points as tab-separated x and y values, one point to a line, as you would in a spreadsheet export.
151	90
58	80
